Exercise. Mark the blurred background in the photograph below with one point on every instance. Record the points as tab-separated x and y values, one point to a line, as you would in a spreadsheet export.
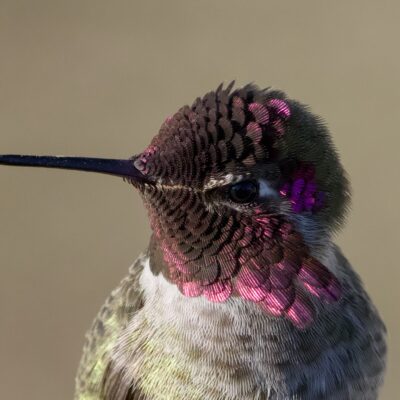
97	78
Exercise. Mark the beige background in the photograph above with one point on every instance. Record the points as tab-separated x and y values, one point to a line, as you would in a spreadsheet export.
98	77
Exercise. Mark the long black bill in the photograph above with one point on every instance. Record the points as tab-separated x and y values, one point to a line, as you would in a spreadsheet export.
122	168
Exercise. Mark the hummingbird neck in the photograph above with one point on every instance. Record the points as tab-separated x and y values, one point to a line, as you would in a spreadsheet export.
165	303
324	253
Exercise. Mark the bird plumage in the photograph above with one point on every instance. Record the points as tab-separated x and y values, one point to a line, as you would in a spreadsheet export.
242	294
243	300
170	347
214	246
121	306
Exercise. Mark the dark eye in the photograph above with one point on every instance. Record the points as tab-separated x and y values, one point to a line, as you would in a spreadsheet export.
243	192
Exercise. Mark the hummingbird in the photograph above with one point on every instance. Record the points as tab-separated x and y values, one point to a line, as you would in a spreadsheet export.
242	293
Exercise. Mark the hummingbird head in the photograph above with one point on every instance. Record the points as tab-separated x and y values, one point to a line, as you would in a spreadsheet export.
243	188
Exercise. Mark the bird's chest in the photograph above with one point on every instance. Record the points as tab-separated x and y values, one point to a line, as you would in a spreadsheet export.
182	348
202	354
198	349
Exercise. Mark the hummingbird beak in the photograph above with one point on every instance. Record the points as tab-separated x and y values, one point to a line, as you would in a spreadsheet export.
122	168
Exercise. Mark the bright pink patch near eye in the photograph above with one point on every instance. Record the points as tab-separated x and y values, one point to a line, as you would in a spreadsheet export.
302	190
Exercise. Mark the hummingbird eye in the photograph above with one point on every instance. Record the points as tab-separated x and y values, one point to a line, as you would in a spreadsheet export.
244	192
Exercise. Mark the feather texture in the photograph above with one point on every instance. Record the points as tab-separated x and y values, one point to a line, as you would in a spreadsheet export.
238	299
176	348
